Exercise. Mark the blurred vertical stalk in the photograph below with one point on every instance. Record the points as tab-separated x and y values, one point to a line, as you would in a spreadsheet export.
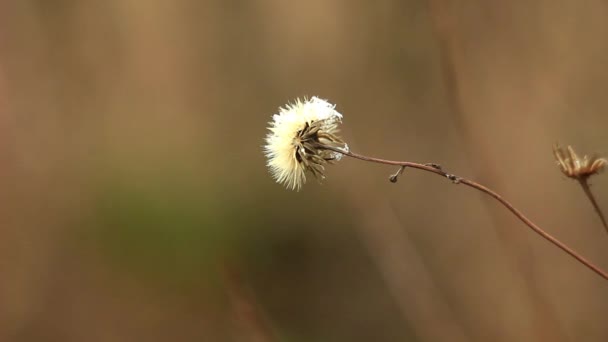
413	287
250	321
545	322
587	189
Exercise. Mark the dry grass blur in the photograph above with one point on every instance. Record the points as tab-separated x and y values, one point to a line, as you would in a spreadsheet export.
137	205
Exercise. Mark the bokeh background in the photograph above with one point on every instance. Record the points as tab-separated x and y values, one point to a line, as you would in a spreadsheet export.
136	205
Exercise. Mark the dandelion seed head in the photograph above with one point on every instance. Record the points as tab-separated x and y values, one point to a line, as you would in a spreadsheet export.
296	141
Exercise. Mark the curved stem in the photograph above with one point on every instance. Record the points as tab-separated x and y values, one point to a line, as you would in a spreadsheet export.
433	168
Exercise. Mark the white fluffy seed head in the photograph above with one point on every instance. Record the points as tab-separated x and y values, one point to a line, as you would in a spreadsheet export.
295	142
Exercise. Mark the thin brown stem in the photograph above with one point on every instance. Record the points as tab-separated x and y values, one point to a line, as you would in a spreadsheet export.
598	210
433	168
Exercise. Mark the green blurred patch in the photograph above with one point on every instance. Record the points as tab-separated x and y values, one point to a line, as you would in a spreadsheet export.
173	228
167	229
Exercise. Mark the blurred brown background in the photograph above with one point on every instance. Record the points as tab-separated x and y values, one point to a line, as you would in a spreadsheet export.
136	205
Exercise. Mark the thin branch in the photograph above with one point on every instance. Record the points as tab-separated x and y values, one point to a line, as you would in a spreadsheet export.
585	185
434	168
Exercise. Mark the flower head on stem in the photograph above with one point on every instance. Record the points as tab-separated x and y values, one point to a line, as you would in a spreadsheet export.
581	169
296	141
303	138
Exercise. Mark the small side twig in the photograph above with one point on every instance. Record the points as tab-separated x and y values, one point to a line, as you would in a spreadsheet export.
458	180
393	178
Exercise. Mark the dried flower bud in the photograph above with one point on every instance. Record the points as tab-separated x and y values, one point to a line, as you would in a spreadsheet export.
575	167
298	135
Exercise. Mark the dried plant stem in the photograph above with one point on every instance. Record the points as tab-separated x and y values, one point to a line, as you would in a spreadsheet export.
585	185
434	168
